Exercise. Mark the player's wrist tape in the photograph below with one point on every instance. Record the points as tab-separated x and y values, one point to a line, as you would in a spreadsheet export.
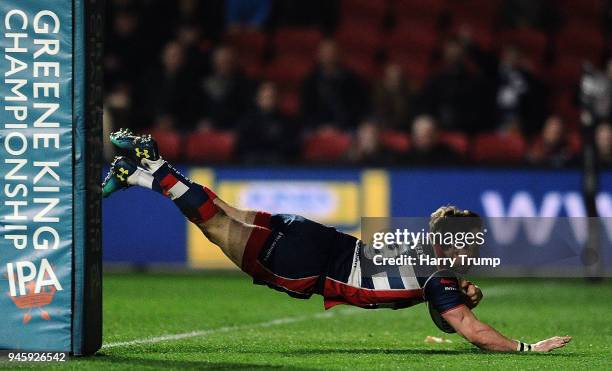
522	347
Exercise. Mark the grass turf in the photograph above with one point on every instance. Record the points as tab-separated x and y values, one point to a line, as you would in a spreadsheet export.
255	327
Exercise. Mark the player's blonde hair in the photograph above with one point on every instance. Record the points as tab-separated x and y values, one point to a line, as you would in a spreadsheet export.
440	219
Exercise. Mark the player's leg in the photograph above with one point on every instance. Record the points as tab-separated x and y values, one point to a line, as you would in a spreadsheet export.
198	204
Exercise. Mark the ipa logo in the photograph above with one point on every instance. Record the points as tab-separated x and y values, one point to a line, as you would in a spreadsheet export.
34	289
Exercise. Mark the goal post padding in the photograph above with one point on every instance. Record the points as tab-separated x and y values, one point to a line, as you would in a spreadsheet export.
50	152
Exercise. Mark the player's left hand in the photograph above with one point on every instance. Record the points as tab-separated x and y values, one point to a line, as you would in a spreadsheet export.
472	293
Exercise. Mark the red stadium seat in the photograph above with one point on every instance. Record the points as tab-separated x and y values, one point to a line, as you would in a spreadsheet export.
428	10
210	146
530	41
498	149
586	9
248	44
564	104
288	71
329	145
353	38
416	66
169	143
374	10
290	102
396	141
456	140
582	42
486	9
361	64
566	72
412	38
297	41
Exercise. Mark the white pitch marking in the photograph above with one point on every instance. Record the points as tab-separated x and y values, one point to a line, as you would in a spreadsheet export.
192	334
492	292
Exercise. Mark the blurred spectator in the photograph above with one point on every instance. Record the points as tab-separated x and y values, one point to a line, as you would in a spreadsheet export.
367	149
456	95
393	99
603	142
332	95
265	134
122	56
173	92
246	13
227	91
552	148
520	102
189	35
426	146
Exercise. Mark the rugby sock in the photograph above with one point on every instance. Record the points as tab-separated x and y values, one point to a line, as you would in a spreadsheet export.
191	198
143	178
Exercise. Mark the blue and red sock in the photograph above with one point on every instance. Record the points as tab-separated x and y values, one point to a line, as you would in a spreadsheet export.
194	200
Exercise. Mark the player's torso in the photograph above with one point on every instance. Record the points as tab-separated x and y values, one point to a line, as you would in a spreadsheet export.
378	278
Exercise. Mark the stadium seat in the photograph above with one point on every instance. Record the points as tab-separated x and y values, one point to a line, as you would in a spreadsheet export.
565	73
215	146
576	41
575	141
498	149
412	38
406	10
456	140
169	143
327	145
363	9
395	140
531	42
288	71
354	38
297	41
564	104
249	44
290	102
361	64
586	9
416	66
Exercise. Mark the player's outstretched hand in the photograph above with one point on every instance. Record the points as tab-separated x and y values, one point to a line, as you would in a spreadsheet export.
552	343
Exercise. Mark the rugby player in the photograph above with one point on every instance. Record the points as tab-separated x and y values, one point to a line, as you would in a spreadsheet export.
301	257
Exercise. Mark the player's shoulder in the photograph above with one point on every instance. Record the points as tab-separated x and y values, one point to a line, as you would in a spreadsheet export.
444	278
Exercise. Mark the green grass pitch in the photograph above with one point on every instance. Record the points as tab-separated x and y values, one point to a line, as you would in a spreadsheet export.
222	321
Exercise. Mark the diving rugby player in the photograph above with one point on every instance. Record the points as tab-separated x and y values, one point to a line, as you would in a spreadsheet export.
301	257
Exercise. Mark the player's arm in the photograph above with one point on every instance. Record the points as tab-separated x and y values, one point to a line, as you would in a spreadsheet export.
486	337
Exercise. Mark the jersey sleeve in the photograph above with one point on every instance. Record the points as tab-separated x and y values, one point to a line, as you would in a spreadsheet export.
443	292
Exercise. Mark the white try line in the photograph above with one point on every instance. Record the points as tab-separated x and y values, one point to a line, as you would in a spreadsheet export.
200	333
494	291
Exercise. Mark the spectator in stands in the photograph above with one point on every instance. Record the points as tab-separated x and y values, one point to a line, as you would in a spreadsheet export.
265	134
227	92
122	55
520	102
552	148
603	142
393	99
332	95
426	146
367	149
456	95
173	92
